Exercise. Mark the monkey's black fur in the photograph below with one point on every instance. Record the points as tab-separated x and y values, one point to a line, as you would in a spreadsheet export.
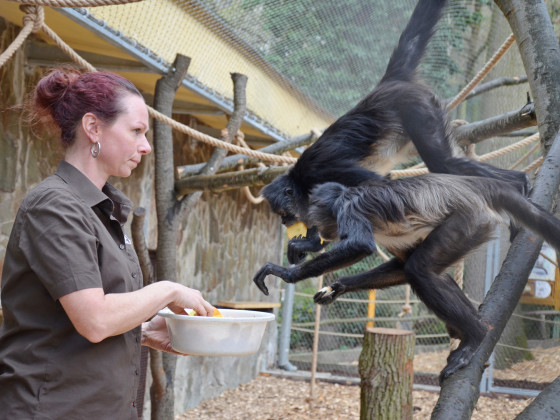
397	117
428	222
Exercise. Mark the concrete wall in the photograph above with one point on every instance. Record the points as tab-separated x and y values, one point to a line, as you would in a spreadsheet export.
223	242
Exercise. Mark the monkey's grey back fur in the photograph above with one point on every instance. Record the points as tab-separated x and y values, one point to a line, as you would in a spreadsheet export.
403	212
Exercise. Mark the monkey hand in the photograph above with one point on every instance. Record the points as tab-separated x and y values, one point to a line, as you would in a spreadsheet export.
328	294
299	246
269	268
296	250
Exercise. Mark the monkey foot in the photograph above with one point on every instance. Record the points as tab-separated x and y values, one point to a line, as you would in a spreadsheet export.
457	359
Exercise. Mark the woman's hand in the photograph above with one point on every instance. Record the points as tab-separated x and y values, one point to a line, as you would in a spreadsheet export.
185	297
156	336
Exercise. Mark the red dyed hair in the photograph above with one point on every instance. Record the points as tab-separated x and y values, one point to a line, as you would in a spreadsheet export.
65	95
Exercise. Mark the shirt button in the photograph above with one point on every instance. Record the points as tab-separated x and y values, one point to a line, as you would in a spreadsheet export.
133	275
136	371
121	246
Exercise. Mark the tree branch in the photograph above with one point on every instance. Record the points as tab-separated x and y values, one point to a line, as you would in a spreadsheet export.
497	126
493	84
139	241
546	406
231	162
255	177
162	366
233	126
537	43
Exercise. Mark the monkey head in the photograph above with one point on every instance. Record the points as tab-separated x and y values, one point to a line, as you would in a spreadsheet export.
286	199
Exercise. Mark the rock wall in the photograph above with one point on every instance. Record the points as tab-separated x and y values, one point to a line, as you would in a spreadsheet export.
223	241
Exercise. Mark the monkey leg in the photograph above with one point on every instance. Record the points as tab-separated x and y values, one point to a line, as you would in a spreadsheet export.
425	122
424	269
385	275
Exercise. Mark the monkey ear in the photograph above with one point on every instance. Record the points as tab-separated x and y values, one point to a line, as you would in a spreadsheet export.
289	192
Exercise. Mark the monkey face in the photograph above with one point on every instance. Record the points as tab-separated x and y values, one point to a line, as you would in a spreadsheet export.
285	199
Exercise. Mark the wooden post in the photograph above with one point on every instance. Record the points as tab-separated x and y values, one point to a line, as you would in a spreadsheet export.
386	374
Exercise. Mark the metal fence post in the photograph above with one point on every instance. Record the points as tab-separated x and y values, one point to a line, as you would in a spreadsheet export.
284	339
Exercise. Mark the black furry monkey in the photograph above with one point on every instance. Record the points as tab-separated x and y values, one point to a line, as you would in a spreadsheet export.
428	222
398	117
336	188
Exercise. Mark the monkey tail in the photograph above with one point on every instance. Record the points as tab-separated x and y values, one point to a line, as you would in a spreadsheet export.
413	41
530	215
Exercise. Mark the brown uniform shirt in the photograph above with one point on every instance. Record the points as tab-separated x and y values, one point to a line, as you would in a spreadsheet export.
67	236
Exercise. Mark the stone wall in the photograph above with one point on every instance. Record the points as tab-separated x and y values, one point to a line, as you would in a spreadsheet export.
223	242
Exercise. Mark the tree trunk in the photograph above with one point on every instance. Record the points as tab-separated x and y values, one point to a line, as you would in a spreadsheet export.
539	50
546	406
163	364
386	374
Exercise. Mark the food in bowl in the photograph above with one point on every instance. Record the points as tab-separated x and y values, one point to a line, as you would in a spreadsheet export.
192	312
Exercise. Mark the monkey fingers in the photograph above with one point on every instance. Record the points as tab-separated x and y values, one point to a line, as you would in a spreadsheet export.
295	256
300	246
269	268
328	294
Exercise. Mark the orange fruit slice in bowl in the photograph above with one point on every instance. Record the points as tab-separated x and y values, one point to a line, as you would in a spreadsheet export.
216	314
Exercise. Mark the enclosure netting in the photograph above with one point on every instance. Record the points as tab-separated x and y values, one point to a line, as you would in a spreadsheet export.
337	51
332	51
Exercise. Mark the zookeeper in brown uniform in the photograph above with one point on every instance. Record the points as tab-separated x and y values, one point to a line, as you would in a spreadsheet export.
74	310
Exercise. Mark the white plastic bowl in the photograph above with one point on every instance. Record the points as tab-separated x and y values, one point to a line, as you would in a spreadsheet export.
238	333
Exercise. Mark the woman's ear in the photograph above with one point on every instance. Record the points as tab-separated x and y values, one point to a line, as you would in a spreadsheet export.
91	126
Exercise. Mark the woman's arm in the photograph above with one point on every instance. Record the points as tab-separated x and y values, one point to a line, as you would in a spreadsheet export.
97	315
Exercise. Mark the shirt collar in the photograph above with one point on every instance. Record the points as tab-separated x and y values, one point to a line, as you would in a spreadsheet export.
109	199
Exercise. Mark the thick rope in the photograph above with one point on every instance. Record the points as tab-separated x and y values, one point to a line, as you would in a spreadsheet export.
218	143
510	148
32	22
240	139
74	3
482	73
534	165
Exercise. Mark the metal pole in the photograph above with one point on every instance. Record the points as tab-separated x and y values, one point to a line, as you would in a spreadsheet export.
315	341
492	270
284	339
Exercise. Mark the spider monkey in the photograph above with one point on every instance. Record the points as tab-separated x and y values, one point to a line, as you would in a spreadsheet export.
428	222
397	117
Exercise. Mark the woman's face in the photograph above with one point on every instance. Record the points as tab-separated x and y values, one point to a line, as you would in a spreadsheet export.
124	141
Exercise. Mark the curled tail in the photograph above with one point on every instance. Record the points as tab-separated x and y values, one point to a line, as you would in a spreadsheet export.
530	216
413	41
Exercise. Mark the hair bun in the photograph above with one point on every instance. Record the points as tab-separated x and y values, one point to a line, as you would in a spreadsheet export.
52	88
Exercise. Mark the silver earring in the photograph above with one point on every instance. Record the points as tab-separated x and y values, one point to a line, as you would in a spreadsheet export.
95	149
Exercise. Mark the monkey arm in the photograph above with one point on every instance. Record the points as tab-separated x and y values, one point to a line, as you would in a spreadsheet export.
299	247
356	243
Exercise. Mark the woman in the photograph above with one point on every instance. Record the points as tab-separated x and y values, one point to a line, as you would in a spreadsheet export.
74	310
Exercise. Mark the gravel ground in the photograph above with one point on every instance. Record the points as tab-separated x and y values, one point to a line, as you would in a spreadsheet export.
275	398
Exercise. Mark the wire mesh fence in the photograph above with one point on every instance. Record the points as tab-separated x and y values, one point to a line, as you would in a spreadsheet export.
524	361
